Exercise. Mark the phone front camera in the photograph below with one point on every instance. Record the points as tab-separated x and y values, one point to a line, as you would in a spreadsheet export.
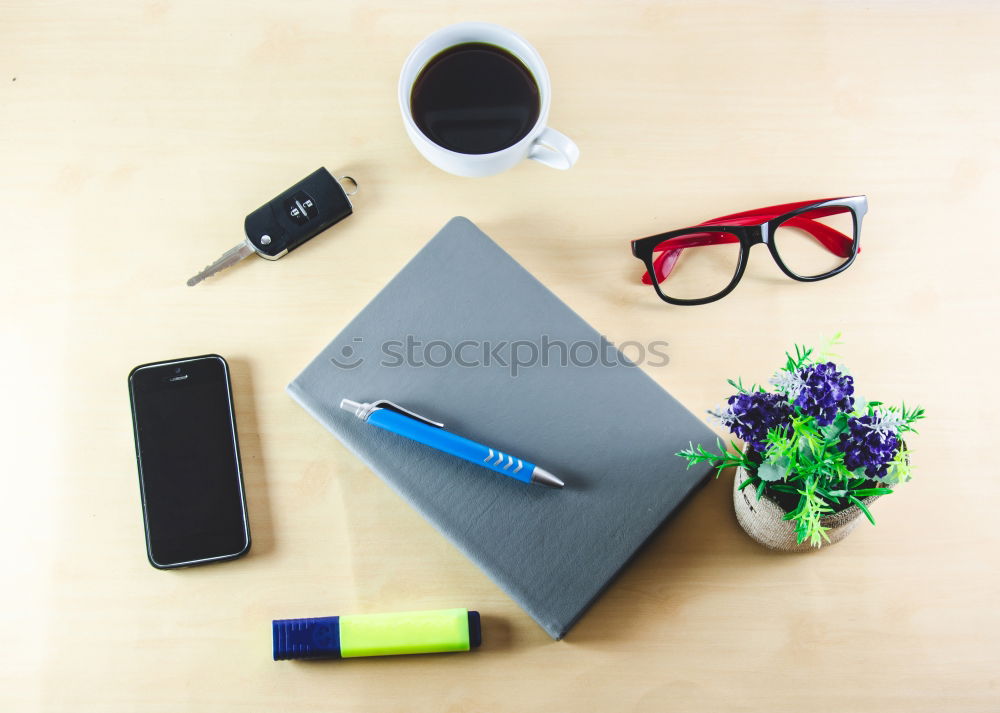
177	370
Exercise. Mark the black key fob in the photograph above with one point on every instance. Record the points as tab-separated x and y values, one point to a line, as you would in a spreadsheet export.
302	212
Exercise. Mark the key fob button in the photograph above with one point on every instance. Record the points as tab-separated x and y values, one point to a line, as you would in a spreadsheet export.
301	208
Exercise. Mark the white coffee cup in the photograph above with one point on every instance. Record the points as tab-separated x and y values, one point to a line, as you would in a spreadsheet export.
541	143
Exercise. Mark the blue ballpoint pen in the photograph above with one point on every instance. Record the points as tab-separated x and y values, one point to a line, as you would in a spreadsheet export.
399	420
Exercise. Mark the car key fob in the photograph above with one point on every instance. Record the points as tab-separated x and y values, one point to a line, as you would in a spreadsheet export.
283	223
294	216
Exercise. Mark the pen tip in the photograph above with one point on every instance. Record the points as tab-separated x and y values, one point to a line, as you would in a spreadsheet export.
544	477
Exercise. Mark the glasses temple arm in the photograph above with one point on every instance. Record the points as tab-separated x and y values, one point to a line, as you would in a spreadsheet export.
831	239
762	215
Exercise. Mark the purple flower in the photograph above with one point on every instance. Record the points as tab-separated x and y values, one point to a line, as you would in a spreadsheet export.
871	443
752	414
825	392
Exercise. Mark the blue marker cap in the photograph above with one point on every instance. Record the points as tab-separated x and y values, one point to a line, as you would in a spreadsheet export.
314	638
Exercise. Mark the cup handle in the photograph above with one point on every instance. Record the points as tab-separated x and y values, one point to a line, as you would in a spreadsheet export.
554	149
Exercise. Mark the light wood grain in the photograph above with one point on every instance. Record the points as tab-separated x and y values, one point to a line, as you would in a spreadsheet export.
134	136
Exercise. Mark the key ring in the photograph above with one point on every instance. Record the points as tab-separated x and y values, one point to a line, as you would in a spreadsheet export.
341	179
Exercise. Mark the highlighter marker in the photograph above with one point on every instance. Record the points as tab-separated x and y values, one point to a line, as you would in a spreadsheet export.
356	635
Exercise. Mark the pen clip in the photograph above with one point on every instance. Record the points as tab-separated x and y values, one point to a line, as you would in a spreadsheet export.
383	403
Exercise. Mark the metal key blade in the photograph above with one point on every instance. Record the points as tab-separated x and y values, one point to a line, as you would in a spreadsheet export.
230	257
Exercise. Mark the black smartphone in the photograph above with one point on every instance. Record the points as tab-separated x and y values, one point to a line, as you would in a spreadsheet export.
190	478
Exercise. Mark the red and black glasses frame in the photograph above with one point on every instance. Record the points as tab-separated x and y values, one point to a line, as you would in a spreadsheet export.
660	253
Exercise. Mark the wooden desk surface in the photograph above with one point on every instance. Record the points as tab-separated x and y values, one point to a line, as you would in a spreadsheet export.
134	137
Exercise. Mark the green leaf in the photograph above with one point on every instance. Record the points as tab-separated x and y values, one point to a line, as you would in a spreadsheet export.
745	483
828	494
899	470
911	415
798	509
868	492
838	426
771	472
719	461
826	349
862	508
800	359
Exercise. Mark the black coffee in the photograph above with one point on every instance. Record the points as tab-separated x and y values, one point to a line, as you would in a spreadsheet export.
475	98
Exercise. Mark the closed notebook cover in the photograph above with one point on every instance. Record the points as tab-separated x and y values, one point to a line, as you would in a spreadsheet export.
609	431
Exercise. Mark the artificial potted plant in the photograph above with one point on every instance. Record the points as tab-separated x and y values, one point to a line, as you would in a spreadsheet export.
815	455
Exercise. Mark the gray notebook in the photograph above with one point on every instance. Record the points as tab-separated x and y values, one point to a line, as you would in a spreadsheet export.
610	432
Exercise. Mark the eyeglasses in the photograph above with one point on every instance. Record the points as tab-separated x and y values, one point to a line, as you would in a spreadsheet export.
810	240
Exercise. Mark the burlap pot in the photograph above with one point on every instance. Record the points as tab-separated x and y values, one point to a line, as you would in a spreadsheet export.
762	519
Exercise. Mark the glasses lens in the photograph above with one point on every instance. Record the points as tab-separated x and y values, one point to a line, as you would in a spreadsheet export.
693	267
816	242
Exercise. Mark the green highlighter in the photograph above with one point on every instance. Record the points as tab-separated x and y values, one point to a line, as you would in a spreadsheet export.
356	635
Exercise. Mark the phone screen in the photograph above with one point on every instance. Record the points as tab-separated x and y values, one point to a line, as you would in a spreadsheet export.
189	467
